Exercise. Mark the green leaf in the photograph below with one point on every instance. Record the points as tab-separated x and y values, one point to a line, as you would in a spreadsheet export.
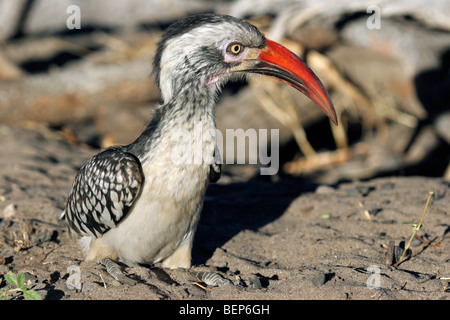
11	278
31	295
21	281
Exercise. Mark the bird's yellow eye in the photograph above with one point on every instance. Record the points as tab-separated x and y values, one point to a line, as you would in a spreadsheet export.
235	48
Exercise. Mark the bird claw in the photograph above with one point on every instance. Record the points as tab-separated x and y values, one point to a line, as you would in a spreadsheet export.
212	279
114	270
124	279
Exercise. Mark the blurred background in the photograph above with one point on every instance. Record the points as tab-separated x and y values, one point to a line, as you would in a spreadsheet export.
86	75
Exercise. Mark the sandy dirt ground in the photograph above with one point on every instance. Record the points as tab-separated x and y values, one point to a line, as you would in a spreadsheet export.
284	239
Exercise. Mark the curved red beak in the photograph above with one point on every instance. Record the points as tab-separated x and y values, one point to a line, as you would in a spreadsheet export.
276	61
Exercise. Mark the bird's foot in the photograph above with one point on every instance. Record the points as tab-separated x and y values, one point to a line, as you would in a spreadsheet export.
114	270
212	279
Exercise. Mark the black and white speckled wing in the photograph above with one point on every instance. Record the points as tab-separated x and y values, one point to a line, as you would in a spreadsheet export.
103	191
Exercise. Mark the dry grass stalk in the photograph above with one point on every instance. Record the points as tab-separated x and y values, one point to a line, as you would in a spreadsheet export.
287	116
415	229
320	160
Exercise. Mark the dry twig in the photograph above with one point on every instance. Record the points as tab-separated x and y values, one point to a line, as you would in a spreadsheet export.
415	229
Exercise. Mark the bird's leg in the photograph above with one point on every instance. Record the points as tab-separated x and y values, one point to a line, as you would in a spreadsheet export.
180	258
212	279
114	270
99	251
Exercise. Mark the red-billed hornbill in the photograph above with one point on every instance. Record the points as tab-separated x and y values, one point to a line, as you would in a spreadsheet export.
134	203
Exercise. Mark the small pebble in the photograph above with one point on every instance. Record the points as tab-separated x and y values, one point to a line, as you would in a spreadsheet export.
387	186
374	212
365	190
319	280
269	263
255	282
398	251
85	287
324	189
9	212
238	281
438	194
73	281
415	242
70	286
230	273
31	277
43	237
388	222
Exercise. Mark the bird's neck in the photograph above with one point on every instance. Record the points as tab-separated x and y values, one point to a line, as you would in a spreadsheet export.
185	114
189	106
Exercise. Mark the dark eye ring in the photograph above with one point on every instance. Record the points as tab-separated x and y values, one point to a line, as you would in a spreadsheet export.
235	48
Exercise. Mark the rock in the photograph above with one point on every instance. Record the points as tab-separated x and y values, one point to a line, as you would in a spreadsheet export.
387	186
85	287
255	282
365	190
42	237
319	279
438	194
9	212
398	251
375	211
324	189
415	242
73	282
30	277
